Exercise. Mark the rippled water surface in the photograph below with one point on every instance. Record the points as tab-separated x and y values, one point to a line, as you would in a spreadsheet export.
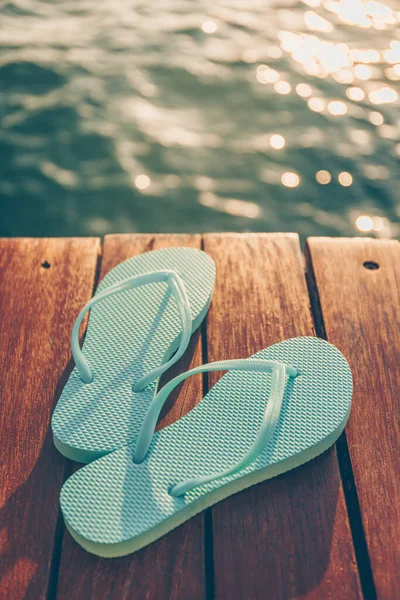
174	115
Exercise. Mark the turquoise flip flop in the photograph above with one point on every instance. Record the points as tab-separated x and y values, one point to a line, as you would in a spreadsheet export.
143	312
269	414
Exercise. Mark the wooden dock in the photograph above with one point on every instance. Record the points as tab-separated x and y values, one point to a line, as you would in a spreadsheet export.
329	529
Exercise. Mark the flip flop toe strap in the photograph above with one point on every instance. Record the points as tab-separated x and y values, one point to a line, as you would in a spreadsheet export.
270	418
178	291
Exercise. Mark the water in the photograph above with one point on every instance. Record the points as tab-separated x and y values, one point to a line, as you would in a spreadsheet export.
176	115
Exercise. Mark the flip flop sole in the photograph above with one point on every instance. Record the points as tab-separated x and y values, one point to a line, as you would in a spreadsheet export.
128	335
114	507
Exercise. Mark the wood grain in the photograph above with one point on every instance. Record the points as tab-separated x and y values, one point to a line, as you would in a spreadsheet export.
361	315
172	567
43	283
288	537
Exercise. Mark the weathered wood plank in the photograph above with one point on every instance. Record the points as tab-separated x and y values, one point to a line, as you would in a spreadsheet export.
43	283
361	315
288	537
172	567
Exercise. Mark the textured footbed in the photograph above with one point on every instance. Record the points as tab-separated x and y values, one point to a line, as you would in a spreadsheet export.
114	506
128	335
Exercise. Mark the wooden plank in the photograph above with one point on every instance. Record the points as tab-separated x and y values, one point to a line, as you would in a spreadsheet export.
288	537
361	314
172	567
43	283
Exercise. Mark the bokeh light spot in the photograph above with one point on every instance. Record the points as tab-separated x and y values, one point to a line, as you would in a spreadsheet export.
364	223
267	75
355	93
282	87
345	179
323	177
337	107
303	90
142	182
277	141
316	104
376	118
363	72
316	23
384	95
290	180
209	26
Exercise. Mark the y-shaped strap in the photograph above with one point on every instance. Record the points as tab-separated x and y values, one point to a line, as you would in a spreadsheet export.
270	419
179	293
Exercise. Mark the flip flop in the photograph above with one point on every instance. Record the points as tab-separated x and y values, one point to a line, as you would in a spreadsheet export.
143	312
269	414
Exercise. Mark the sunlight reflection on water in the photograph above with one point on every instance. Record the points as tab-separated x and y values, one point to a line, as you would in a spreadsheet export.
213	116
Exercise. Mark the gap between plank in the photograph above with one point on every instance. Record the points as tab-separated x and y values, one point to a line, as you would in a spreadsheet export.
344	460
68	470
58	543
208	522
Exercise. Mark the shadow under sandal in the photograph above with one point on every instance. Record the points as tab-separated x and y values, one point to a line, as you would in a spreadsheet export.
269	414
143	312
